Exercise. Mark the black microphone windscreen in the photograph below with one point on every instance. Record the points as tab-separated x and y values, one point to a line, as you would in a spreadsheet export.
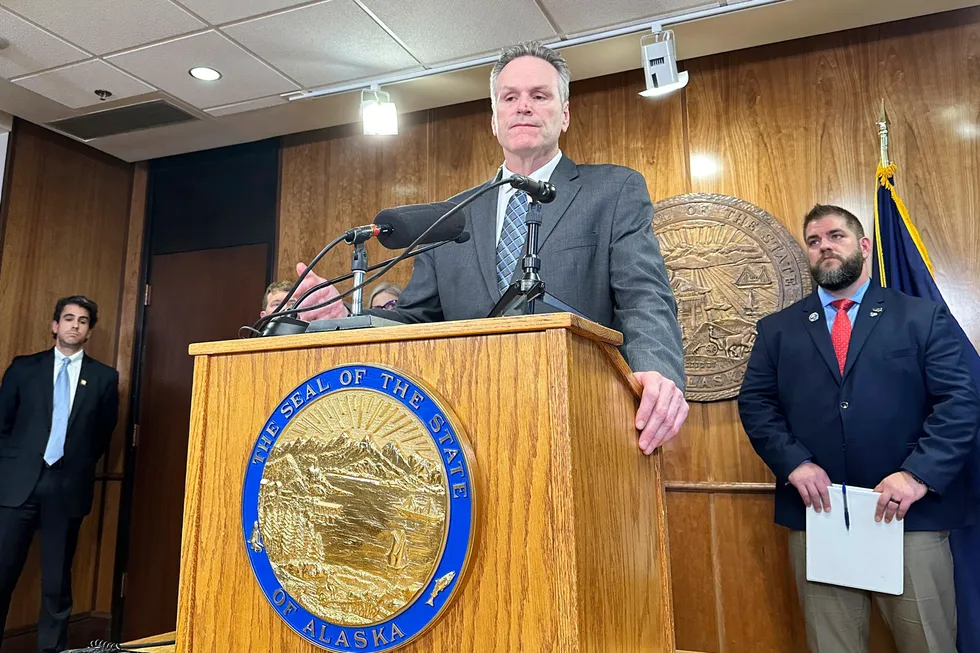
463	237
409	222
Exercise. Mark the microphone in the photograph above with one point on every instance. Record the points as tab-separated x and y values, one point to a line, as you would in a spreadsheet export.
407	223
540	191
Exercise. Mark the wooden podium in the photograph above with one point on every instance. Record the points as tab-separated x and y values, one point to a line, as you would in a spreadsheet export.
570	551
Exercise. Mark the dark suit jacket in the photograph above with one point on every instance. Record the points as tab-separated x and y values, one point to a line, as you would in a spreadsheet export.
599	255
26	404
906	401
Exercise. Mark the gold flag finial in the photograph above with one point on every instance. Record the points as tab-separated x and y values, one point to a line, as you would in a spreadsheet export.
883	134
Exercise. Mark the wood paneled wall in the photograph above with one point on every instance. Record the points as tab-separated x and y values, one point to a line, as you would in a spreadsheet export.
66	229
788	125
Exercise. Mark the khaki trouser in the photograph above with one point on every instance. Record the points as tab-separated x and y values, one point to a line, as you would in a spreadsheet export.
922	620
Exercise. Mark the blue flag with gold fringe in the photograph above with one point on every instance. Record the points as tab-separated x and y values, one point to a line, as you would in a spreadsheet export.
900	261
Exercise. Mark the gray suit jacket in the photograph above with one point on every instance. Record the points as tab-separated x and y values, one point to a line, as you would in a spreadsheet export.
599	256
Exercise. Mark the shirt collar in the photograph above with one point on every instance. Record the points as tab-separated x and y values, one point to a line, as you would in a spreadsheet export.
857	297
74	358
541	174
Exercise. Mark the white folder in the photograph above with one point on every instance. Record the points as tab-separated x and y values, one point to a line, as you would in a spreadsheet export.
869	555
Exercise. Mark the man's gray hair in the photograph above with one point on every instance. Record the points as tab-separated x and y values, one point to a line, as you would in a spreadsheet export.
531	49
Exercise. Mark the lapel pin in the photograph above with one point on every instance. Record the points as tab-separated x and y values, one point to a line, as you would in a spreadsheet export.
876	311
814	317
84	382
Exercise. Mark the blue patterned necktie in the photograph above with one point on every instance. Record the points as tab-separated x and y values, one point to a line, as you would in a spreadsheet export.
59	416
512	237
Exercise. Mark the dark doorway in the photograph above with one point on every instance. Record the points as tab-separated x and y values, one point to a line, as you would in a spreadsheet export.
194	296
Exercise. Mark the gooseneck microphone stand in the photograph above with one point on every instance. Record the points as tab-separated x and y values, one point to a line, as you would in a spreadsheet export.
358	267
522	295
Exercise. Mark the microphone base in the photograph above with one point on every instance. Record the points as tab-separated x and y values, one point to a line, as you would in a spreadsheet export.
352	322
284	326
528	297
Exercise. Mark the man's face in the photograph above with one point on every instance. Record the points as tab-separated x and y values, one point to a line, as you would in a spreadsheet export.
72	329
529	115
835	254
275	299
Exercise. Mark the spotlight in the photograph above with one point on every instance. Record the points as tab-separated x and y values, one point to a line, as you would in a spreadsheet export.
660	64
378	112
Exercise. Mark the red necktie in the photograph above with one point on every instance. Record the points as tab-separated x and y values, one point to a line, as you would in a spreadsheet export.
840	334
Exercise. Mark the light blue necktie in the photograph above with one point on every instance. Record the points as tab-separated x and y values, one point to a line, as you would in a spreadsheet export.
59	416
512	236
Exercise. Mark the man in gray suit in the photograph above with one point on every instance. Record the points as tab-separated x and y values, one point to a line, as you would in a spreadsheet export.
599	253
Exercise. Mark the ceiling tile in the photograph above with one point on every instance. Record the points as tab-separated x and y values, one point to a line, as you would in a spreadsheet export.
166	66
327	43
75	85
464	28
225	11
102	26
577	16
31	49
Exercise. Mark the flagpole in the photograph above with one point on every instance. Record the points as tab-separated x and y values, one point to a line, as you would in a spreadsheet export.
883	134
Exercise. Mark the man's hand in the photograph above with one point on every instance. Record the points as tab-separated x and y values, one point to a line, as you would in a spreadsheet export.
812	482
898	492
662	410
335	310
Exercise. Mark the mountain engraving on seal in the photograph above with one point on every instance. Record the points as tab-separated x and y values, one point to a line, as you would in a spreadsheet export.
353	507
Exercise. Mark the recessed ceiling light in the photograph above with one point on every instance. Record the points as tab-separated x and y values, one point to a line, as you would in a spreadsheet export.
205	74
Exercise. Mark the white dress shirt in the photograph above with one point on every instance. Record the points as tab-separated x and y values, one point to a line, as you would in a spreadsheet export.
505	192
74	371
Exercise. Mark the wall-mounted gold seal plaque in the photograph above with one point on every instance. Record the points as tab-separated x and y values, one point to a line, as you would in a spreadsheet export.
729	263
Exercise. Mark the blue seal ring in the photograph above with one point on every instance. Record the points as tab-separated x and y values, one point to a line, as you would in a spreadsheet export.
431	602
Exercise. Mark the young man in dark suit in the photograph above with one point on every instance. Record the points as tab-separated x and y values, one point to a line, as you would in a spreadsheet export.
58	409
866	386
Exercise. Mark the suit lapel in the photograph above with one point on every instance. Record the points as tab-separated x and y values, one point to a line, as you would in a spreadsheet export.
81	390
46	377
815	319
868	317
483	227
551	213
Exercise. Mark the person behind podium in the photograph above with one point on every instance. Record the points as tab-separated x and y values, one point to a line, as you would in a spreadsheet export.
57	412
597	245
866	386
274	294
385	296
